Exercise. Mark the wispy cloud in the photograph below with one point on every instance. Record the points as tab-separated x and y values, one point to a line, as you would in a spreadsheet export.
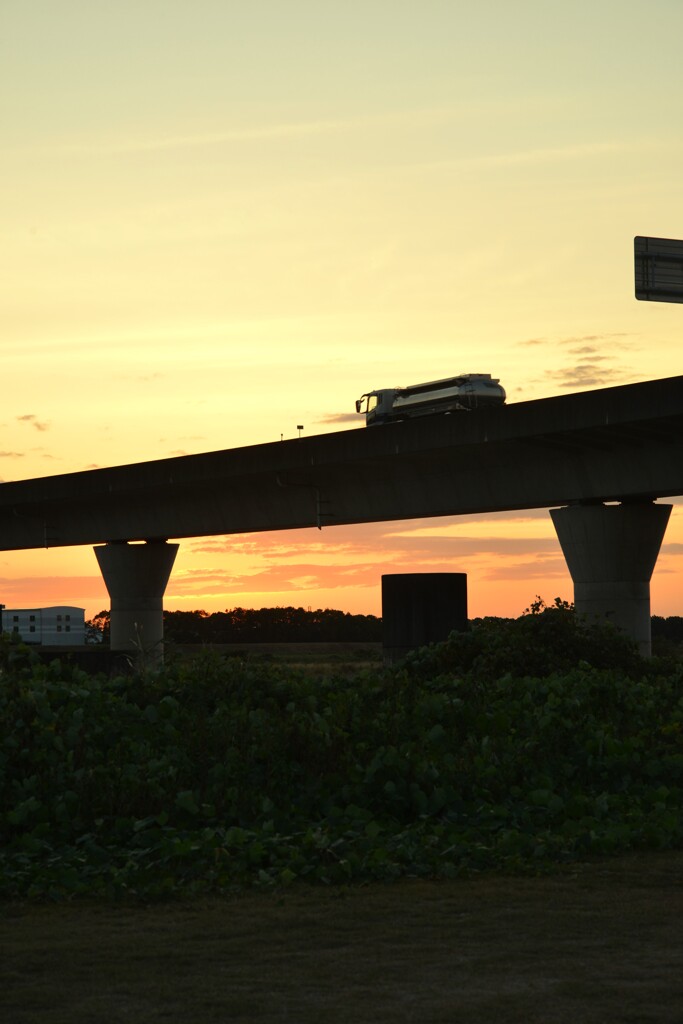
293	576
598	359
588	374
285	130
342	417
33	420
579	340
541	155
576	151
11	455
356	557
594	338
529	569
401	120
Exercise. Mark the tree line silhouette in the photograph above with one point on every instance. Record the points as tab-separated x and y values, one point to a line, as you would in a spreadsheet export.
256	625
283	625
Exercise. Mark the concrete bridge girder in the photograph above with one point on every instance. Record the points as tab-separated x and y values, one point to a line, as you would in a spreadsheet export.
622	444
615	444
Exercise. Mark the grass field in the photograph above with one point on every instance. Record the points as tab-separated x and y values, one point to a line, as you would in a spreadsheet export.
599	943
326	656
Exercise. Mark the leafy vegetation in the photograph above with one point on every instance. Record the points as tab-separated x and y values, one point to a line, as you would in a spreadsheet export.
512	747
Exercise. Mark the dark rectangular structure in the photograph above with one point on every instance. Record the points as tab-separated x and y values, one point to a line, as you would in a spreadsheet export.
421	608
658	269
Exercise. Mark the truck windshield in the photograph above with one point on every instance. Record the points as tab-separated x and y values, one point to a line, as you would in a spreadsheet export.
366	403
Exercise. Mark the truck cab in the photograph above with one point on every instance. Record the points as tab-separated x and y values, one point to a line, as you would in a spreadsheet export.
377	406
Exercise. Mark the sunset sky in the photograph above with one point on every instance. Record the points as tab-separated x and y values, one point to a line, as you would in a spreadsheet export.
222	219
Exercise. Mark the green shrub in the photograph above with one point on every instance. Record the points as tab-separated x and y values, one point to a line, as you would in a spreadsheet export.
513	747
542	641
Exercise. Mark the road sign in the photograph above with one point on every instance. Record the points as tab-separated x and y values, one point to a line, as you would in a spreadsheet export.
659	269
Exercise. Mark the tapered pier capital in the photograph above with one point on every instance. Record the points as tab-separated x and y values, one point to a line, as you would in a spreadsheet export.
136	576
611	552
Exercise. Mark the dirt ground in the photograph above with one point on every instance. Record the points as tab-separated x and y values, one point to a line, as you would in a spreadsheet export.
602	942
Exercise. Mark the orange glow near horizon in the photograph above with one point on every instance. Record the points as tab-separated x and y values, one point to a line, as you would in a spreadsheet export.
509	560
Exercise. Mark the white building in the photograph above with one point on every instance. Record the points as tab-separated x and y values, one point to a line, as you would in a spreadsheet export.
61	624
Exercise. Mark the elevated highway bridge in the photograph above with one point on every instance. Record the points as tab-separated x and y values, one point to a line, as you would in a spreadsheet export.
572	453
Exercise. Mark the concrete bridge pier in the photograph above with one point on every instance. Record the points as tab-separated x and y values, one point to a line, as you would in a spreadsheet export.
611	551
136	576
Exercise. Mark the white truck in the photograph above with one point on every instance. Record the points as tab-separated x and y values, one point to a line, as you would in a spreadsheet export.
453	394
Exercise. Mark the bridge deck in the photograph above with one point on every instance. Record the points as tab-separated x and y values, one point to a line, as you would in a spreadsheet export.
619	443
